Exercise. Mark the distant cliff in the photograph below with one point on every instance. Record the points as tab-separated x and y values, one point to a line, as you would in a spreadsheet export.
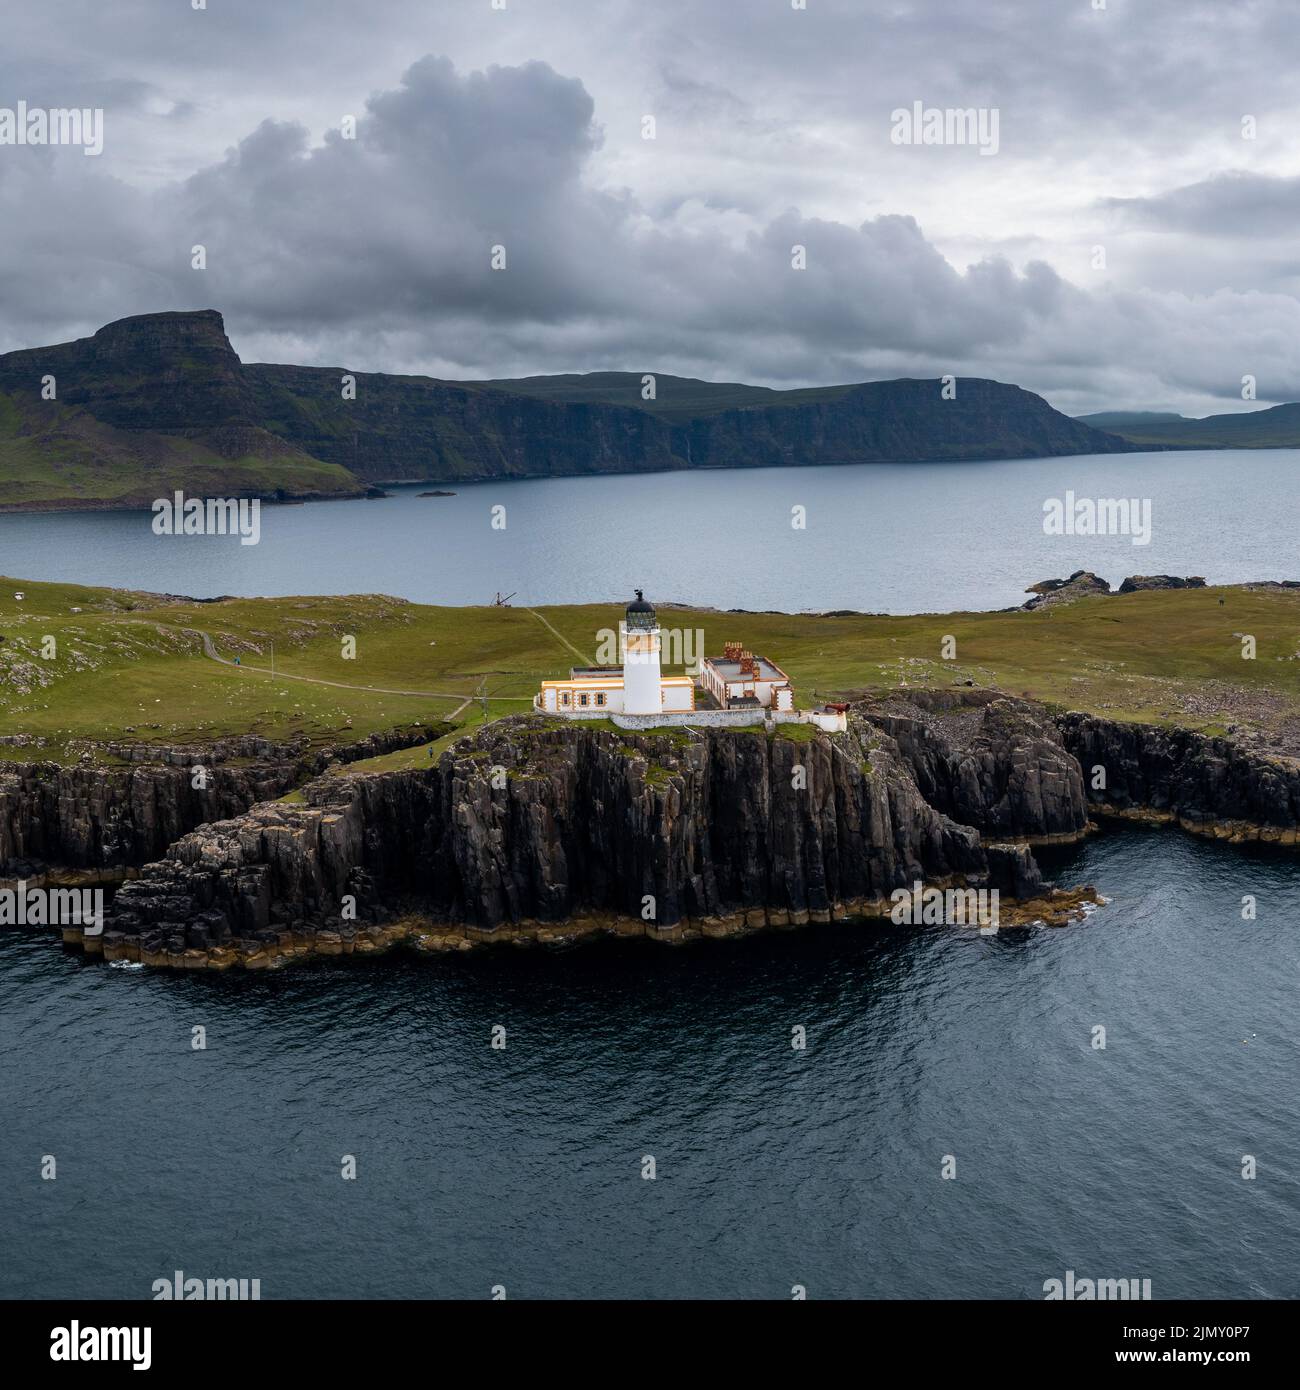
161	401
145	406
1273	427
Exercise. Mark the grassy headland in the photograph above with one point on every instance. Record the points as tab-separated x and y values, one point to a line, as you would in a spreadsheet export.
131	667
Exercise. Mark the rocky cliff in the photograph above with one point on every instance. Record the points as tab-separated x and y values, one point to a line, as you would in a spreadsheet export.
112	818
538	830
143	407
892	421
987	760
118	816
1214	786
162	372
530	826
403	427
414	427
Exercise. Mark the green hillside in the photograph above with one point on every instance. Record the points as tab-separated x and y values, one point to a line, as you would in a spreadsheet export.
132	666
56	456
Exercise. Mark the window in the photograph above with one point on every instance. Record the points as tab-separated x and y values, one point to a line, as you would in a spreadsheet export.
600	698
566	698
582	699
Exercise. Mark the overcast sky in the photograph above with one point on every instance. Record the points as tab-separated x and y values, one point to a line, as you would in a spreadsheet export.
1119	128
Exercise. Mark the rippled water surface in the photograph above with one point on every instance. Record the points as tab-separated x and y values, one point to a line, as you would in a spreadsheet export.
897	538
479	1167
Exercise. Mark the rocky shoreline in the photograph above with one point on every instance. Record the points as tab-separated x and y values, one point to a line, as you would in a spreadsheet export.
1054	907
537	832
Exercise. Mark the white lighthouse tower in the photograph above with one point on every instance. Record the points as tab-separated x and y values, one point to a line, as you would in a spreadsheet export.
638	635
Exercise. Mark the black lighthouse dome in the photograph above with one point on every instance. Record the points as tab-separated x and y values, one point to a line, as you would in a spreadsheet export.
640	613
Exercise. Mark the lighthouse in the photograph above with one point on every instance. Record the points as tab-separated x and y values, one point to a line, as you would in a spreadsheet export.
639	639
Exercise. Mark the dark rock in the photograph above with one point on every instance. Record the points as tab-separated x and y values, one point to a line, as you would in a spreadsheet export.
1136	582
1184	774
101	817
986	760
529	821
1050	592
703	824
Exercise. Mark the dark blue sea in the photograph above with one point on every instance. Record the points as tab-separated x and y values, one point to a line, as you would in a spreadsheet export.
523	1167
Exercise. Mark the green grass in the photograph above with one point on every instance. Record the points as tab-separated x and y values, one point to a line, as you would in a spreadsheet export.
127	668
797	733
55	455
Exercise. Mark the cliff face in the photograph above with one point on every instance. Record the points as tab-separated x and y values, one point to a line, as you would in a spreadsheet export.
1210	785
541	829
401	427
160	401
527	823
986	760
160	372
145	406
106	818
117	817
894	421
413	427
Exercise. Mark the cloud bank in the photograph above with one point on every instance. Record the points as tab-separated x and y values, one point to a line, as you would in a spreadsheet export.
679	254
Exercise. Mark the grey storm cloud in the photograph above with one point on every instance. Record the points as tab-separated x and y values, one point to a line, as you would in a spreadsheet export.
394	230
1236	203
675	254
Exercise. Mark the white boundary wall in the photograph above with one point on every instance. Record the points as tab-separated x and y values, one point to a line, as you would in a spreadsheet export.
713	718
734	718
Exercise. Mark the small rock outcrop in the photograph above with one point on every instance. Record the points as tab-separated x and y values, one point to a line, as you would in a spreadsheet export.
1048	593
1084	584
1136	582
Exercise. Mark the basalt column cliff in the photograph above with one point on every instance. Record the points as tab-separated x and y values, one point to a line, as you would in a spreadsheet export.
553	830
